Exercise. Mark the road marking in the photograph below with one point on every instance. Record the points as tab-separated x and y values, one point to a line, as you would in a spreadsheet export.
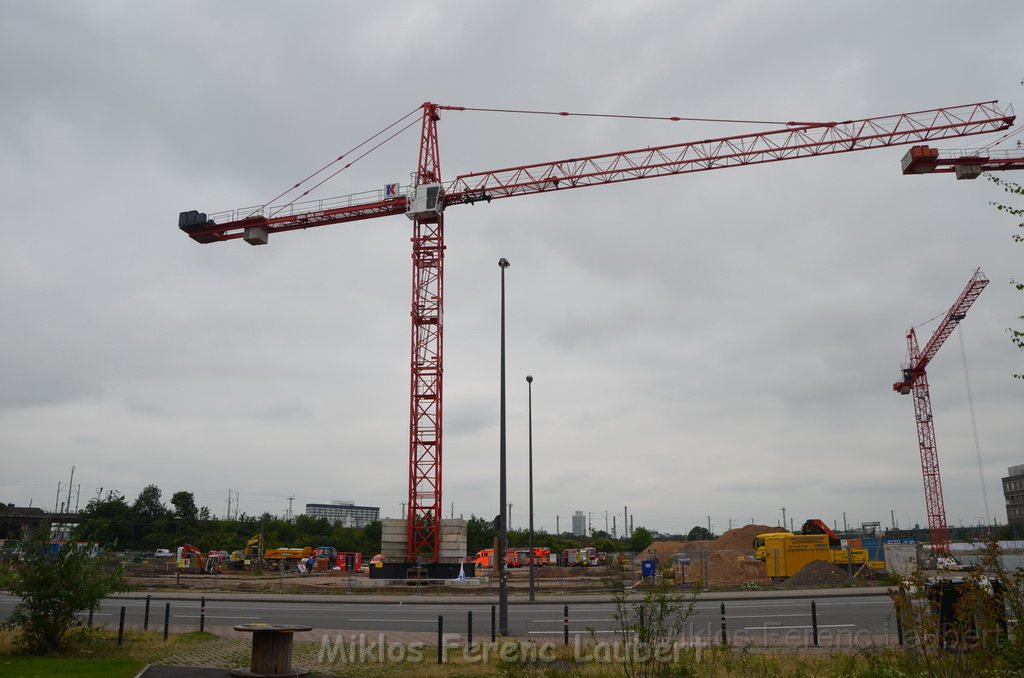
572	620
415	621
762	616
779	628
572	633
210	616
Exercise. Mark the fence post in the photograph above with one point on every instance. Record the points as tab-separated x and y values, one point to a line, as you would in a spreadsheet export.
492	624
167	619
202	614
145	620
120	629
814	622
470	625
725	637
565	630
899	626
440	639
90	619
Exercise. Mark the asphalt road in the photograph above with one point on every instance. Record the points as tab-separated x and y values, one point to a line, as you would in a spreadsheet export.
753	618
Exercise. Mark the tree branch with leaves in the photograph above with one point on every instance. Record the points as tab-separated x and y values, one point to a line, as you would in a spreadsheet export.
1016	335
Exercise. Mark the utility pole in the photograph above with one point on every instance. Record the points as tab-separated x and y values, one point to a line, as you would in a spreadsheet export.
229	503
67	505
625	521
290	499
606	522
844	521
557	527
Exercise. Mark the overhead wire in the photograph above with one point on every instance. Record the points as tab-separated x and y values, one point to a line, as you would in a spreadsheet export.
672	118
339	159
974	427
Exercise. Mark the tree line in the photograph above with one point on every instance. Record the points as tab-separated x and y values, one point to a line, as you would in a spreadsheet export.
147	524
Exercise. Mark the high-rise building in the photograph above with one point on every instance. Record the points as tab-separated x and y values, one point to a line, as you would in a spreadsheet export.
579	524
344	512
1013	492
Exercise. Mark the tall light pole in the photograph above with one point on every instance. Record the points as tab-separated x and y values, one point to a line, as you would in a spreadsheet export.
529	401
502	518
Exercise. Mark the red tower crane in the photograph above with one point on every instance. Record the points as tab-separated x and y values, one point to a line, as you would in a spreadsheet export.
425	202
915	381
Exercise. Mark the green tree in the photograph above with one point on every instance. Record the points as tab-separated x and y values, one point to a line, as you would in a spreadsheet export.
54	590
640	539
108	522
184	504
1016	335
148	505
699	533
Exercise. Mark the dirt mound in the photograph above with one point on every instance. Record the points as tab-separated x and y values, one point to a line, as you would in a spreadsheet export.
740	538
737	539
817	573
726	561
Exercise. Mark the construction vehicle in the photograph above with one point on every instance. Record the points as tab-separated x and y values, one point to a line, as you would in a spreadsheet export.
286	557
190	559
784	553
541	556
327	558
485	558
818	526
249	556
426	203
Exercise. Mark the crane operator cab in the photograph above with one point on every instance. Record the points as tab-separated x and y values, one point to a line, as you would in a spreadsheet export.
426	201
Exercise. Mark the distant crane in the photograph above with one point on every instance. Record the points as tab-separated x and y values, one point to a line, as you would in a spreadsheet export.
426	200
915	381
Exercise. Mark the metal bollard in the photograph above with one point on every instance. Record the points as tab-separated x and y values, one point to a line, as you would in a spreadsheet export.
145	620
440	639
493	627
725	635
565	627
470	626
814	621
120	629
167	620
202	614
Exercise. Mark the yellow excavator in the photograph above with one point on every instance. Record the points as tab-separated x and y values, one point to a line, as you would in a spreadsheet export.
248	557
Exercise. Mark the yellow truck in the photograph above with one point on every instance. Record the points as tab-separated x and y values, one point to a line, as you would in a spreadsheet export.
784	553
288	556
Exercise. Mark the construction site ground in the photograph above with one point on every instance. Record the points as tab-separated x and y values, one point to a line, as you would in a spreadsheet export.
724	563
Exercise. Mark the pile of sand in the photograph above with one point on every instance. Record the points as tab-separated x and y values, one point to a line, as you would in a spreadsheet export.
726	561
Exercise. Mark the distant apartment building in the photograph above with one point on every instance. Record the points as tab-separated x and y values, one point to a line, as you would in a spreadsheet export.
579	524
345	513
1013	492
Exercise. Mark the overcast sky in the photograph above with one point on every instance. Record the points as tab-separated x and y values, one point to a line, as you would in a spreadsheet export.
719	344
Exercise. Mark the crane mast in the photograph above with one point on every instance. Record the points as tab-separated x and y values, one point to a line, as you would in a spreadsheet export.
424	203
915	382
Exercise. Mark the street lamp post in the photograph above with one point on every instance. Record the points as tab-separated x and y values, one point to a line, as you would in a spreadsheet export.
502	521
529	390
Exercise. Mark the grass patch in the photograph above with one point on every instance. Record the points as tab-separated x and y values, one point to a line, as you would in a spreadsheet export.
15	666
